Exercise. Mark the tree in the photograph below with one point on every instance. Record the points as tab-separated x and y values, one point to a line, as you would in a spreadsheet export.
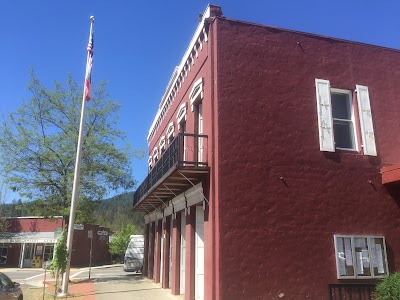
58	265
38	148
121	239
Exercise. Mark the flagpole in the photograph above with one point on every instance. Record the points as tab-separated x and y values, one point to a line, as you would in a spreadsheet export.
75	186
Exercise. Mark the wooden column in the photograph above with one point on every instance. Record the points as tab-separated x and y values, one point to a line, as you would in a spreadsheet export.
165	271
146	249
157	252
176	255
190	254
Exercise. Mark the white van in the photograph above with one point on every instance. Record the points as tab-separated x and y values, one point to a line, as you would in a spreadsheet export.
133	261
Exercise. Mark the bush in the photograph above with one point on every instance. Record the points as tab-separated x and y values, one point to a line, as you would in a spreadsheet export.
389	288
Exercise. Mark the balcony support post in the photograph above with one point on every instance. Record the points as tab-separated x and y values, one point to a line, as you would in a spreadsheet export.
193	185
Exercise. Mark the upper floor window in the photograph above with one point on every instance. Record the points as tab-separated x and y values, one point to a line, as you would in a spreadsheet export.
170	132
155	155
196	94
336	121
360	256
343	119
181	116
162	144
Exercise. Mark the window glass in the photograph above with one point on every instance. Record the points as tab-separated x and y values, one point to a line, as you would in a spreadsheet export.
344	256
344	134
5	281
3	254
378	256
362	256
343	125
341	106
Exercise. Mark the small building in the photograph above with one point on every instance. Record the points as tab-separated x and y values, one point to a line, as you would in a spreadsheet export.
274	166
29	242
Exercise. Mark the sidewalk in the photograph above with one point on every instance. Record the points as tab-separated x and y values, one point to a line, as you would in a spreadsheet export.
131	286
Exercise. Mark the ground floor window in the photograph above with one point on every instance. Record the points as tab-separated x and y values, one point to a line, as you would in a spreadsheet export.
3	253
48	252
360	256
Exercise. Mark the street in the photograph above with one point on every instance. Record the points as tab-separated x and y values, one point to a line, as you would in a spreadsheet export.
108	281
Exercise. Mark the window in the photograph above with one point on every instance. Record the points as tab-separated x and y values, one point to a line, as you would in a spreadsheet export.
336	122
161	144
170	132
360	256
3	253
155	155
196	94
343	119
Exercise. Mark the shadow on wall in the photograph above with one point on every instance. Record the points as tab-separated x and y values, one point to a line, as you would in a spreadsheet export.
15	225
34	226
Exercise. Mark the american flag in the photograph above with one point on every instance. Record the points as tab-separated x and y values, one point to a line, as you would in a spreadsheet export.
88	76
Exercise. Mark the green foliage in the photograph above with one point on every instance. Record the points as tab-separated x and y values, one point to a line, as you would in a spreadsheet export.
121	239
115	212
38	148
4	224
60	257
389	288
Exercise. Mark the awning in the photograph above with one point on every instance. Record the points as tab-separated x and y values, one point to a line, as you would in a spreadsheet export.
390	174
27	237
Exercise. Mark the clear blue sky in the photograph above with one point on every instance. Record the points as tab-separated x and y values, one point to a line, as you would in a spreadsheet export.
138	43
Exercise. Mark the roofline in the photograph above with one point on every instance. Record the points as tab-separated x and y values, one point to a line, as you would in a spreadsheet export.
178	70
33	217
314	35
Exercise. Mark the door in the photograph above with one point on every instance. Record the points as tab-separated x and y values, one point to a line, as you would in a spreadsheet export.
199	254
183	254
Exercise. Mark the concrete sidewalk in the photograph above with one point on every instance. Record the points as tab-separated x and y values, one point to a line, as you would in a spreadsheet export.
131	286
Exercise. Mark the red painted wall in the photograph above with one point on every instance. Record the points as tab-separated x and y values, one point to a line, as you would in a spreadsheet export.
276	235
33	224
81	243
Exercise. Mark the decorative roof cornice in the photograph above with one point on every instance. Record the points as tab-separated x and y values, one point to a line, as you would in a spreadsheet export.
181	71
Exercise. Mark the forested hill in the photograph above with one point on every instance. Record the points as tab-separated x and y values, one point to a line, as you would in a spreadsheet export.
112	212
116	211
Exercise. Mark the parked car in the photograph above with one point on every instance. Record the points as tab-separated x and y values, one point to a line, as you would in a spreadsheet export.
133	260
8	289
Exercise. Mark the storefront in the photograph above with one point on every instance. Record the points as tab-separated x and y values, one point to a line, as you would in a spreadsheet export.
26	249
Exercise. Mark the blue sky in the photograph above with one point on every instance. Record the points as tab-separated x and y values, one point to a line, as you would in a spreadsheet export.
138	43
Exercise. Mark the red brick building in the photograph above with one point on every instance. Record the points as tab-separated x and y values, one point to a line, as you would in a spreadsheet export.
274	166
29	242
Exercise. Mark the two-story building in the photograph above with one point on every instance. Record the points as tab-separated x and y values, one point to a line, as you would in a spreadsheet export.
274	166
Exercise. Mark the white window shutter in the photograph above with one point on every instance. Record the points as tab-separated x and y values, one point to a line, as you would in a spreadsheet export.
325	121
367	128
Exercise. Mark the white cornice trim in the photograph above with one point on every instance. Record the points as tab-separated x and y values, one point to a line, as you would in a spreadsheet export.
180	73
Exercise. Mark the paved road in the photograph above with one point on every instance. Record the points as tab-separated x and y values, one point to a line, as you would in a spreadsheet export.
109	282
21	275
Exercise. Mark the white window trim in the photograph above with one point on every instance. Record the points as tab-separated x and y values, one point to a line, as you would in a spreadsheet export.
150	161
368	237
352	108
181	116
162	143
155	153
170	129
196	94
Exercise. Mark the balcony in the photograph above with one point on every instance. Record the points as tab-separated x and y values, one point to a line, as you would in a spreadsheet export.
182	165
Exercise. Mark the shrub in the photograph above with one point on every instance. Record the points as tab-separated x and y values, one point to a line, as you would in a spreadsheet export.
389	288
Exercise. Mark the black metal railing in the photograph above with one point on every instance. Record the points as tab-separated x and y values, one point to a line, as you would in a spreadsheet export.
185	149
351	291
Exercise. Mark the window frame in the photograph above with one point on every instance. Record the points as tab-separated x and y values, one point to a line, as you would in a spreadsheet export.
368	238
352	108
